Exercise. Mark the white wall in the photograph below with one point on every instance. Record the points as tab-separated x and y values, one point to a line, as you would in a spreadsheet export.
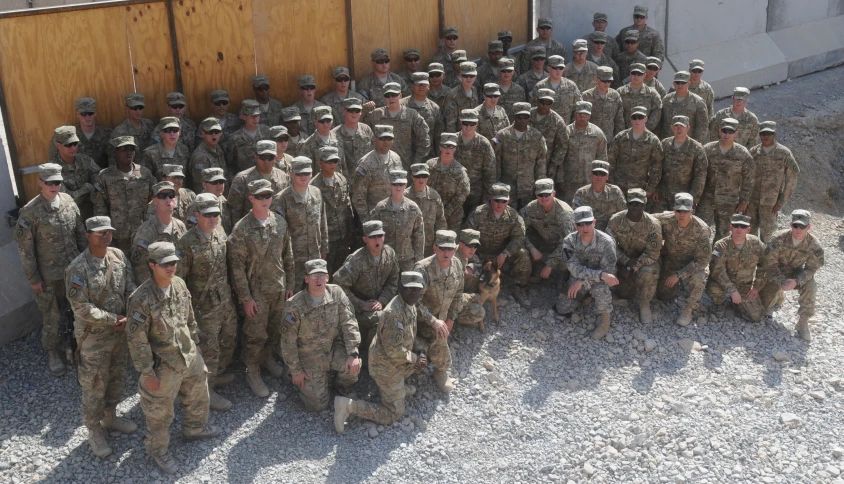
695	23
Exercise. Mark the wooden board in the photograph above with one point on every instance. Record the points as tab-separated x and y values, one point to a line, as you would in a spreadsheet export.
479	21
151	51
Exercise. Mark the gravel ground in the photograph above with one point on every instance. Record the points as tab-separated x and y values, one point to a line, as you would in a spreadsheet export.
536	398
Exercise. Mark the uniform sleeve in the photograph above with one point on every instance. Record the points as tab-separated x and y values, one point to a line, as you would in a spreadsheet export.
557	155
450	113
140	256
185	259
360	186
190	320
137	329
517	235
439	218
658	47
608	257
576	269
236	255
541	168
772	266
457	298
391	338
714	121
237	198
703	252
418	236
490	169
290	340
601	148
700	166
323	225
612	230
26	248
83	308
791	171
653	245
422	140
497	149
391	285
528	225
288	258
754	134
748	170
131	285
700	117
719	270
613	156
655	114
148	163
655	169
760	279
813	263
345	277
618	118
100	197
349	325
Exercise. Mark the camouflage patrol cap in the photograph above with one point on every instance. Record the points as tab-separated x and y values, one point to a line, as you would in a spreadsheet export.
123	141
420	78
599	37
740	219
260	80
418	169
683	202
412	279
556	61
446	239
207	203
379	53
172	171
638	67
290	114
631	34
302	165
544	22
277	132
495	46
470	237
544	93
741	93
696	64
506	64
468	115
636	195
435	67
162	252
98	224
491	89
383	131
583	214
580	45
521	108
536	51
175	98
654	61
305	80
583	107
468	69
543	186
605	73
639	110
219	95
340	71
500	191
373	228
682	76
640	10
392	88
213	174
250	107
398	176
210	124
168	122
257	187
599	16
459	56
352	103
86	105
451	30
134	99
680	119
729	123
768	127
266	147
327	153
65	135
316	266
163	186
50	172
411	51
600	165
448	139
505	34
322	112
801	217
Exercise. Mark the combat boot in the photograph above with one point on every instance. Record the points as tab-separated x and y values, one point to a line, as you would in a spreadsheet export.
112	422
57	367
718	310
272	367
645	316
520	294
167	463
256	384
409	390
342	409
444	382
219	402
208	432
803	328
603	327
685	317
224	380
98	443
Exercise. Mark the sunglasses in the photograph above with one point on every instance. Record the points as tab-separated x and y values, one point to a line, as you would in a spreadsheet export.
342	79
421	176
522	116
604	82
385	138
217	182
740	226
304	173
283	139
135	108
447	249
637	73
635	204
71	145
637	117
353	110
398	184
391	95
545	102
468	76
631	42
177	106
307	88
333	161
102	233
266	157
680	83
583	224
558	68
263	87
171	130
127	149
211	215
382	61
412	59
52	183
263	196
168	265
538	58
434	75
697	71
598	42
474	246
682	211
766	133
653	68
165	196
469	123
326	120
452	37
545	27
798	226
221	103
728	131
86	114
543	195
600	173
501	202
213	131
493	96
640	17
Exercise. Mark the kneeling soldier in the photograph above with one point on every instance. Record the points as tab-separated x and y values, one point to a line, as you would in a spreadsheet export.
737	271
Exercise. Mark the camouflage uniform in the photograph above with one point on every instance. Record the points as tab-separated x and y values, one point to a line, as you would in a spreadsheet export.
650	42
307	125
311	146
96	147
372	89
610	48
553	48
504	235
438	97
644	96
642	241
635	163
683	170
604	205
520	161
238	200
586	263
124	199
226	220
442	298
693	107
625	62
607	61
705	91
565	97
240	148
430	112
404	227
308	226
79	179
687	252
509	96
204	157
528	80
188	134
607	111
433	214
773	184
152	231
748	126
156	156
584	147
658	87
553	130
729	179
490	124
478	158
371	182
339	216
583	79
785	261
545	231
355	146
143	136
452	183
738	269
412	142
270	112
455	102
336	103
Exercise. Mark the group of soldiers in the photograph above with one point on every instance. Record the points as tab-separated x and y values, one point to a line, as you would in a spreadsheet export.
297	232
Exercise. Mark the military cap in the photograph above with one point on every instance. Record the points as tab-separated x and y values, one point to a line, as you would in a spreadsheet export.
316	266
263	147
168	122
162	252
163	186
491	89
556	61
446	239
383	131
448	139
449	31
219	95
418	169
654	61
302	165
506	64
599	37
583	214
640	10
398	176
327	153
322	112
459	56
740	219
250	107
605	73
639	110
172	171
601	165
500	191
544	22
599	16
521	108
290	114
580	45
277	132
544	93
638	67
411	51
683	202
123	141
210	124
696	64
340	71
801	217
207	203
392	87
50	172
537	51
583	107
260	80
65	135
412	279
631	34
305	80
680	119
468	69
468	115
420	78
257	187
98	224
470	237
213	174
352	103
636	195
372	228
134	99
435	67
682	76
741	93
175	98
495	46
768	127
730	123
505	34
379	53
86	105
543	186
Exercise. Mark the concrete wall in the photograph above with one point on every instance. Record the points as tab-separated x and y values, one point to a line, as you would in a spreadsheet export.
693	24
788	13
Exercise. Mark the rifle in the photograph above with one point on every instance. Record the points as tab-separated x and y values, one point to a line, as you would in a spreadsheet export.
66	331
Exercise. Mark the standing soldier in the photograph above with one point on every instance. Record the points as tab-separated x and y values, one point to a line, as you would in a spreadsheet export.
448	45
687	252
737	271
586	143
260	257
264	169
453	78
355	137
334	190
700	87
240	146
323	136
270	107
99	282
184	196
371	182
607	106
429	201
412	142
79	171
450	180
527	79
208	153
475	153
94	139
638	239
491	116
604	198
599	23
635	155
281	138
630	55
342	92
229	122
291	119
411	62
307	103
681	102
638	94
203	268
684	166
581	71
511	92
139	128
748	124
49	234
602	56
372	86
160	228
566	93
654	65
214	182
590	256
163	339
774	182
168	151
427	109
553	129
404	226
544	29
320	336
547	222
437	91
650	41
791	260
463	96
176	107
488	68
521	153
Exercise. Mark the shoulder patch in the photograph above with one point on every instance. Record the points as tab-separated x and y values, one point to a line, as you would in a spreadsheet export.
22	223
237	188
279	210
78	281
289	320
361	170
139	317
192	219
199	166
399	326
142	243
399	338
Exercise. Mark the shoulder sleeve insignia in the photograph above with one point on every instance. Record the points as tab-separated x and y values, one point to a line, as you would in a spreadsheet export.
289	319
142	243
192	219
279	210
399	338
199	166
399	326
237	188
137	316
78	281
361	170
22	223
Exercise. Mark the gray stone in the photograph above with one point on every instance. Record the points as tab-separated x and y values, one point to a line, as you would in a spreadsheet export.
650	345
781	356
790	420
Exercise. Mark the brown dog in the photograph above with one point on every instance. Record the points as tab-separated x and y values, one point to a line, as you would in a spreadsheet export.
489	286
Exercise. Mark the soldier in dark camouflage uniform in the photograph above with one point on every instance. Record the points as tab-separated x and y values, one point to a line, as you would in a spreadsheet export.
748	123
586	144
607	106
544	30
461	97
681	102
240	146
650	42
412	141
176	107
553	129
773	183
511	92
371	87
437	91
371	182
475	153
581	71
427	109
638	94
342	92
521	155
491	117
323	136
356	137
701	87
94	139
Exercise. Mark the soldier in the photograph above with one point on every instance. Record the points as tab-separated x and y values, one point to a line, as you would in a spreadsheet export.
521	154
176	107
586	144
604	198
203	268
502	238
590	256
260	257
323	136
630	55
470	241
635	155
638	239
93	138
319	336
687	251
566	94
168	151
461	97
49	235
135	125
184	196
607	105
453	78
213	182
369	277
681	102
412	142
122	192
411	62
506	38
511	92
229	122
339	214
208	152
160	228
371	182
748	124
437	91
729	179
281	137
654	65
163	339
476	154
600	48
98	282
581	71
240	146
403	223
79	171
307	103
391	356
547	222
342	92
450	180
491	117
428	110
737	270
651	41
488	68
701	87
684	166
638	94
553	129
355	137
599	23
773	183
527	79
291	119
265	168
429	201
371	87
544	29
270	108
448	45
791	260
